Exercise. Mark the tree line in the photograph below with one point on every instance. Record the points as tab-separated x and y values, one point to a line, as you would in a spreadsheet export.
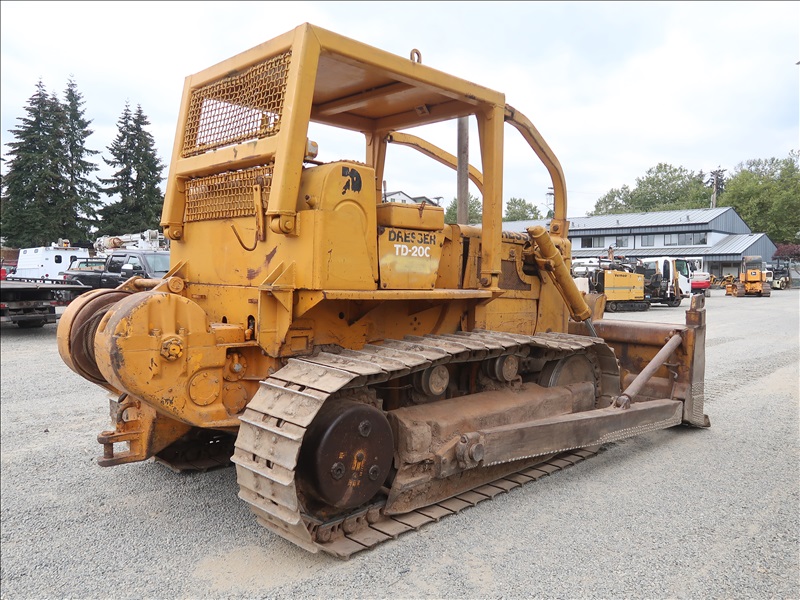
517	209
764	192
51	190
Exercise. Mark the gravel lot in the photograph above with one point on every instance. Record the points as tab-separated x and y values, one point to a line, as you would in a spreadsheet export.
681	513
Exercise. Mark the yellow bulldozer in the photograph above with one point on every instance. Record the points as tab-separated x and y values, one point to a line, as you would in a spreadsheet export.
366	367
752	280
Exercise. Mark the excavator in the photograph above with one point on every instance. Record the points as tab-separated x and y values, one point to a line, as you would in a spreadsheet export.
367	368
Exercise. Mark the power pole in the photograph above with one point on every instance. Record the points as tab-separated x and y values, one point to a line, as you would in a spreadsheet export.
462	172
550	202
717	179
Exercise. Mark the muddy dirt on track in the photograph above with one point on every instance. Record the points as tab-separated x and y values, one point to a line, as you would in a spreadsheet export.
680	513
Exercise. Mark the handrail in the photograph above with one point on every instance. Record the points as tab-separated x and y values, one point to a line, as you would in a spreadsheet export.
559	224
434	152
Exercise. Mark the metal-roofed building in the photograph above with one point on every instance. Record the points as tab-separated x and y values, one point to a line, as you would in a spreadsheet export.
718	237
404	198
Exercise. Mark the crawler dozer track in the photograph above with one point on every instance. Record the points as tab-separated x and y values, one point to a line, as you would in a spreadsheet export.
275	423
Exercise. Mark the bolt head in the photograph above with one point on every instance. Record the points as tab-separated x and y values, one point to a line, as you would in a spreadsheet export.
172	348
337	470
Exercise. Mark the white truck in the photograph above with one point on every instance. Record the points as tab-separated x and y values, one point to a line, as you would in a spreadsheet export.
667	280
46	262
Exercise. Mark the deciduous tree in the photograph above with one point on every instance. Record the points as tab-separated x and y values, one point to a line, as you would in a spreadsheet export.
474	208
766	194
613	202
787	251
664	187
517	209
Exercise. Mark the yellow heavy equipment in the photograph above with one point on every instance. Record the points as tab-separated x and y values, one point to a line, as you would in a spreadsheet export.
619	281
752	279
367	367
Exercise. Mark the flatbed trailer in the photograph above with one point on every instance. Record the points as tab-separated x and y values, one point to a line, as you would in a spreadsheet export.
32	303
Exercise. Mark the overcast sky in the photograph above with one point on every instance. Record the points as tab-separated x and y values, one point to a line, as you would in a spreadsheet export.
614	87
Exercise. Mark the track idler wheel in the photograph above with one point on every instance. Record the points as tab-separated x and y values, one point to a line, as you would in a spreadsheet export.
570	369
575	368
346	455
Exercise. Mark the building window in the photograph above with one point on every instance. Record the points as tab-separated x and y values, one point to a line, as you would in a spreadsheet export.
621	241
685	239
648	241
593	242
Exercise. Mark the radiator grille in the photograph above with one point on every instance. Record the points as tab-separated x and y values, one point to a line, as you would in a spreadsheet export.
239	108
227	195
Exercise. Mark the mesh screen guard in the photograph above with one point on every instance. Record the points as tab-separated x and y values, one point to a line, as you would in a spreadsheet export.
238	108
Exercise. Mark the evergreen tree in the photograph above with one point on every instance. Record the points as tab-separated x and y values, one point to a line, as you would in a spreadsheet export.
149	170
136	181
34	186
82	197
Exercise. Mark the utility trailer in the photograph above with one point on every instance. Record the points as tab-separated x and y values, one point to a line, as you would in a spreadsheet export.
32	303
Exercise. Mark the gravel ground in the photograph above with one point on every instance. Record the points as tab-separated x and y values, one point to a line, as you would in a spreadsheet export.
681	513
